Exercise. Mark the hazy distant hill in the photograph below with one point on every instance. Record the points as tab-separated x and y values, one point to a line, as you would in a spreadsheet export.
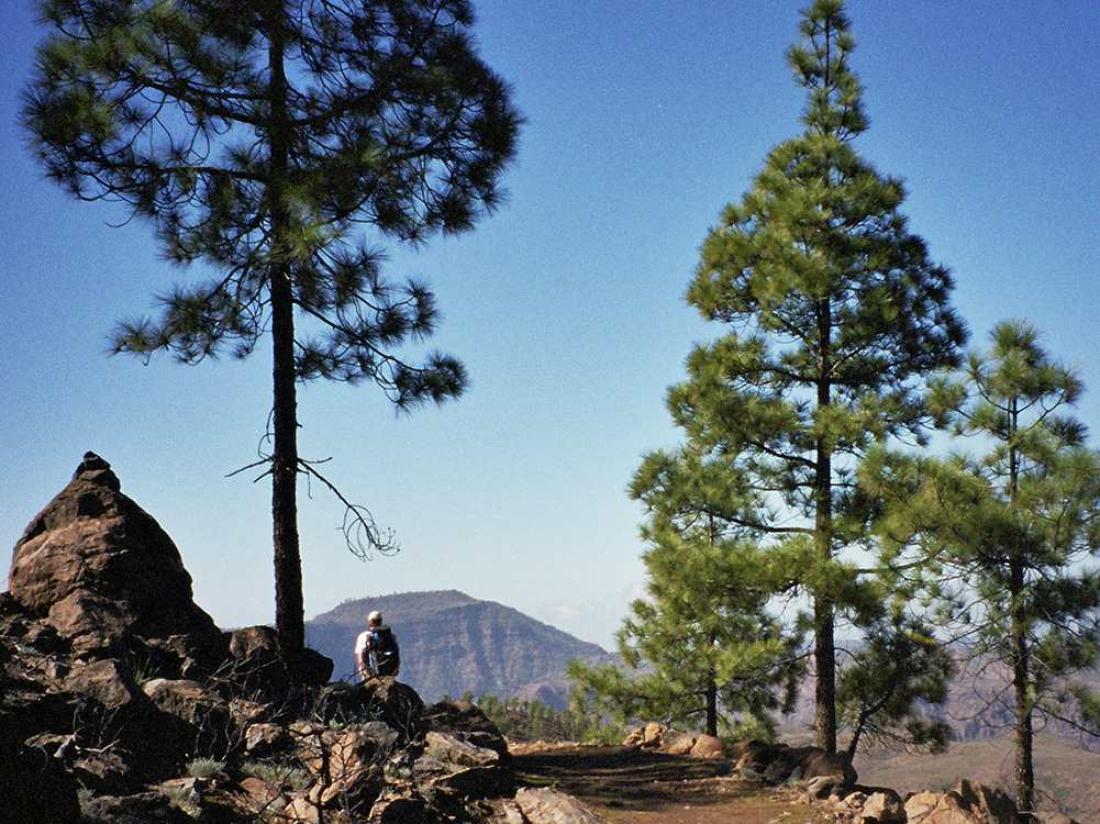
452	643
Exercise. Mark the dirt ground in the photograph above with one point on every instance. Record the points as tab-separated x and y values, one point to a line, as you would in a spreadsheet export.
652	788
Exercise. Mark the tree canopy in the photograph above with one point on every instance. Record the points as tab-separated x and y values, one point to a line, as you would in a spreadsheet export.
278	143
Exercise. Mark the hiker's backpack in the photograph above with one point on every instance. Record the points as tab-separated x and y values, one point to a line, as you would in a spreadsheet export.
384	649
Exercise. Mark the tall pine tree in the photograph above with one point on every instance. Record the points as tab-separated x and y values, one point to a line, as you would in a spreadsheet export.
1002	540
702	650
836	314
261	137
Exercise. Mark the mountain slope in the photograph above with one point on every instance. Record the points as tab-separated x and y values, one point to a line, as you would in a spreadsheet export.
452	644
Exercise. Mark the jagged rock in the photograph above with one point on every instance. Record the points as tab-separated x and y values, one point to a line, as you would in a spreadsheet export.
101	570
302	811
347	762
106	682
262	740
882	808
968	803
210	724
548	806
450	748
259	665
994	804
465	721
379	699
507	811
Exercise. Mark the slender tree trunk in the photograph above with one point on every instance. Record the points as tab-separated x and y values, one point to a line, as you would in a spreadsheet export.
824	613
1021	656
1021	666
712	697
289	611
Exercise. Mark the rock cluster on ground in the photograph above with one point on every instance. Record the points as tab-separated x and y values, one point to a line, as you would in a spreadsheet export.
121	702
830	782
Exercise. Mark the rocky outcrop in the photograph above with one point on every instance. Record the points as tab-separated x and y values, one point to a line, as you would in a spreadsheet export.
104	575
112	679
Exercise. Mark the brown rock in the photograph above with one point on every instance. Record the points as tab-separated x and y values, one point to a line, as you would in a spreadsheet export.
652	733
379	699
451	749
882	808
678	743
940	808
466	722
264	739
548	806
210	723
105	682
302	811
707	746
101	569
995	805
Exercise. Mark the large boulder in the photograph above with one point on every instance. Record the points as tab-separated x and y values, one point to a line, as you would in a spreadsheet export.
379	699
102	571
545	805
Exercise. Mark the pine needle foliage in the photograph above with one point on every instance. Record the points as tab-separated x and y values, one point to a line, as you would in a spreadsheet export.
702	651
278	143
1002	544
835	316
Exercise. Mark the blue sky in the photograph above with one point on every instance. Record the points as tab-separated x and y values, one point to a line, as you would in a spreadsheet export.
644	118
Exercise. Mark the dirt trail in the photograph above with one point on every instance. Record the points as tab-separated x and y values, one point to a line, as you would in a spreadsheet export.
652	788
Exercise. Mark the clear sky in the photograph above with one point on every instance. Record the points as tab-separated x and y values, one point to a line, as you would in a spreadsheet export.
644	118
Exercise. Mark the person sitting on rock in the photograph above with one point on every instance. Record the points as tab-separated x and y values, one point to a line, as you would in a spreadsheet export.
376	650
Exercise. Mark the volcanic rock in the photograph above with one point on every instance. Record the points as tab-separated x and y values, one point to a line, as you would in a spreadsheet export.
101	570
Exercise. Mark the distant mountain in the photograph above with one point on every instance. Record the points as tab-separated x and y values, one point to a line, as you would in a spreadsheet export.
452	644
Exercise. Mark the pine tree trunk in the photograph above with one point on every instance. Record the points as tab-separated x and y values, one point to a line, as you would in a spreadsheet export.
1021	664
824	614
1025	768
289	610
712	704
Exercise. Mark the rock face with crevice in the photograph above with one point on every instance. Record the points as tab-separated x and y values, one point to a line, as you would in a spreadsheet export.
101	571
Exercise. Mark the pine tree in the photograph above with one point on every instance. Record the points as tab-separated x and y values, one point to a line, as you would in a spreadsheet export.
703	649
1001	541
836	315
275	142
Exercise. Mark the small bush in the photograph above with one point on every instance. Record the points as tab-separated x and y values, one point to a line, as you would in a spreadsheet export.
204	767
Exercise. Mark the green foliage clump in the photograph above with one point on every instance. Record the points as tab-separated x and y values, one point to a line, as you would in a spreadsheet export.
204	767
1001	542
277	144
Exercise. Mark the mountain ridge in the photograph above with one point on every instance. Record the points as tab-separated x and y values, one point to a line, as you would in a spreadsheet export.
453	643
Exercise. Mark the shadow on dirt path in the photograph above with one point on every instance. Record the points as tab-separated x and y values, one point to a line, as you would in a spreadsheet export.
637	785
